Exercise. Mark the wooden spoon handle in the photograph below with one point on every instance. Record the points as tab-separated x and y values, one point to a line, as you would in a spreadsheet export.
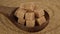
7	10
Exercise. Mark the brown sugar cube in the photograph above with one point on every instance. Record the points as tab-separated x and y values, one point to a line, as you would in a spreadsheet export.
20	13
30	23
29	6
21	21
29	16
39	12
41	20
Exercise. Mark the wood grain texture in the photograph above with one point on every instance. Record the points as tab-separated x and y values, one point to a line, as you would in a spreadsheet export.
6	27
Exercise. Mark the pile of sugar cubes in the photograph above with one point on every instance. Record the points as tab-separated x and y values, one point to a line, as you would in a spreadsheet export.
28	11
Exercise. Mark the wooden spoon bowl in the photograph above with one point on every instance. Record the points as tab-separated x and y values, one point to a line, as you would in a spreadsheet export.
14	21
